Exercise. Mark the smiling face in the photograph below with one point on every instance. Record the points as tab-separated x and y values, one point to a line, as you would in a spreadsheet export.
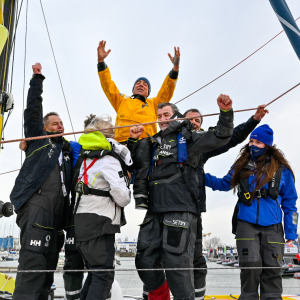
164	114
196	121
141	88
256	143
54	124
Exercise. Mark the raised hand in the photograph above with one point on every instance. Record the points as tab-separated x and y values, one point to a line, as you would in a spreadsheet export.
224	102
260	112
175	59
102	54
37	68
136	131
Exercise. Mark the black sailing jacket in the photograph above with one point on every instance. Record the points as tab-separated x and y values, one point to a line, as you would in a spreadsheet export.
41	155
168	189
240	133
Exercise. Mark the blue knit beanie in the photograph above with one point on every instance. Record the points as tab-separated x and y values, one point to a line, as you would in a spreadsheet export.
263	134
146	80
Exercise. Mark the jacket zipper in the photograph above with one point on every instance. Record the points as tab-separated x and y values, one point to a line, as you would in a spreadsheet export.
257	211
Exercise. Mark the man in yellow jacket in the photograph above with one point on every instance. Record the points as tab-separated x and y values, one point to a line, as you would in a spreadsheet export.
138	108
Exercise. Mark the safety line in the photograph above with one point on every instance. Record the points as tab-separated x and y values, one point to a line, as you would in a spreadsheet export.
57	69
210	82
10	171
131	125
24	71
10	270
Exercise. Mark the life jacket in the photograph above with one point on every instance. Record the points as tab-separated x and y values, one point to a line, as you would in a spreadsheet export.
244	195
80	186
272	191
182	156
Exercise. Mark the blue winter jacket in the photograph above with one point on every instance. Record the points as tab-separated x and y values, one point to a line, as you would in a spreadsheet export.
265	211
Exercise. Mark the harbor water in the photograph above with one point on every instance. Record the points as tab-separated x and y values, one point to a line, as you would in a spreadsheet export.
219	280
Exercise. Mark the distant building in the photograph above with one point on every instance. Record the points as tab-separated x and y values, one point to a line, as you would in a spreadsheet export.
126	246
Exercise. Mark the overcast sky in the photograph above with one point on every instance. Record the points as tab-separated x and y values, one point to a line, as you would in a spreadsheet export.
213	36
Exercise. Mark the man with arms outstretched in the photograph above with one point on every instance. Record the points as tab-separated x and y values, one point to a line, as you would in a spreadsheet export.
138	108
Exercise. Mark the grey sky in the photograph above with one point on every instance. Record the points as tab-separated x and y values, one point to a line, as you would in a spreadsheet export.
212	35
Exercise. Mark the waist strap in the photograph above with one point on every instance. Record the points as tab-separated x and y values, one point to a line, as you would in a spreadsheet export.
83	189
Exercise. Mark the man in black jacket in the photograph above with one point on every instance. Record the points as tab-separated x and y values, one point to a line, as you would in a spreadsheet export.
40	196
240	133
168	233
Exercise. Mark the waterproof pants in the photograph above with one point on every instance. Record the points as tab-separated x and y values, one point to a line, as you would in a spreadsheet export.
98	253
167	240
260	246
73	261
40	220
199	262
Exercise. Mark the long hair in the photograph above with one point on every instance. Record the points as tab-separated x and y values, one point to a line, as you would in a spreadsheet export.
265	166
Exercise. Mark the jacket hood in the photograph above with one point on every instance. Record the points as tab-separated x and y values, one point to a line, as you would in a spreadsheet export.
94	141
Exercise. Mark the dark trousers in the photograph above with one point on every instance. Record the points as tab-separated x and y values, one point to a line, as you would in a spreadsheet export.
40	221
168	240
73	261
98	253
199	262
260	246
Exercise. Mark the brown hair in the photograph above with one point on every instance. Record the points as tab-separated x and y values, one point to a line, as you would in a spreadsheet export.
265	166
46	117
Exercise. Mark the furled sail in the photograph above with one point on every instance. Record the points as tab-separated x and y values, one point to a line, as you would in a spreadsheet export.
7	29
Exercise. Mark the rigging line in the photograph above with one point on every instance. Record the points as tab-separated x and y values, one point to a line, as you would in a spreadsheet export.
12	270
210	82
57	69
9	172
131	125
25	55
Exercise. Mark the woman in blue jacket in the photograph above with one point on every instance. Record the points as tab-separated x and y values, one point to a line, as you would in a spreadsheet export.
265	186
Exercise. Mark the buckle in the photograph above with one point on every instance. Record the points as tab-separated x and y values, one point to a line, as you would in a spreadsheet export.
258	194
81	188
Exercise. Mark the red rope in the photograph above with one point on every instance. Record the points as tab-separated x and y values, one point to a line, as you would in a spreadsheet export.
124	126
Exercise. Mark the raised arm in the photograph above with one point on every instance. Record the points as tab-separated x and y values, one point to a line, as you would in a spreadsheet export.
109	87
204	141
167	89
240	133
33	114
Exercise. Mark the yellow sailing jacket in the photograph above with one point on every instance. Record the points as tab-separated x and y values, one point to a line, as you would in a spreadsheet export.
134	111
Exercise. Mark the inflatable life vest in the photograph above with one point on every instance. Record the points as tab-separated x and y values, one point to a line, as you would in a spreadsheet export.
244	195
81	187
272	191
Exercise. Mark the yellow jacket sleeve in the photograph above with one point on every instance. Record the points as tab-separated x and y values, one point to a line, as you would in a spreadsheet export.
166	91
110	89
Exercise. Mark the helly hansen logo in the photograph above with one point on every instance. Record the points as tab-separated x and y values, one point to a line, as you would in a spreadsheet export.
70	241
36	243
178	223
